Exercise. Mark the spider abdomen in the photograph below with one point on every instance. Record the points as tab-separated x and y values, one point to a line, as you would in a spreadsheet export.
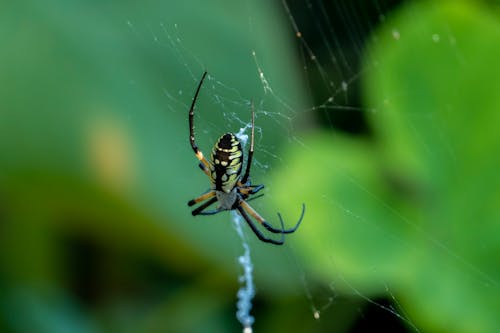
226	161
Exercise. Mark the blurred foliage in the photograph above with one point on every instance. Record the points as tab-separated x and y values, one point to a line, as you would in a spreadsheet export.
96	170
416	211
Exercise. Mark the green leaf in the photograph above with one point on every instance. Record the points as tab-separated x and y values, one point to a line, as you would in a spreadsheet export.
418	210
94	139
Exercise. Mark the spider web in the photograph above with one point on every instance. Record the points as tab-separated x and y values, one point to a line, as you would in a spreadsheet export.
329	54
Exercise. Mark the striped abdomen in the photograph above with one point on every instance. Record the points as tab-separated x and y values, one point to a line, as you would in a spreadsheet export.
227	158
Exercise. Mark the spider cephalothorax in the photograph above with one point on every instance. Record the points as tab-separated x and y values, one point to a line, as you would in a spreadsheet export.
229	188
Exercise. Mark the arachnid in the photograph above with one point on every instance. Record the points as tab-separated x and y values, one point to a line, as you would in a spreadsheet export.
228	188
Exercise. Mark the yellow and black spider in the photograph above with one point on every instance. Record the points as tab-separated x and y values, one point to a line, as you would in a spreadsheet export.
228	187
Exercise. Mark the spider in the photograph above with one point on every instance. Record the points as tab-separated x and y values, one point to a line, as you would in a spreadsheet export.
227	186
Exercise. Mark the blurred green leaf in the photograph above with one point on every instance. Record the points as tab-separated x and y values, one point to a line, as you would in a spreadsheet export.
418	211
84	106
94	146
26	309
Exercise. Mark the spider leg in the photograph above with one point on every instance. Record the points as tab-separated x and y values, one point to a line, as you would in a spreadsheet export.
252	198
204	169
212	212
199	209
244	180
198	153
266	225
247	190
201	198
289	231
257	232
